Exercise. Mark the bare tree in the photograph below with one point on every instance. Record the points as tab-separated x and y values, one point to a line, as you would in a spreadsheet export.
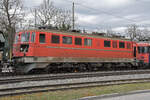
136	33
145	34
109	32
132	31
45	13
49	15
140	35
63	19
10	15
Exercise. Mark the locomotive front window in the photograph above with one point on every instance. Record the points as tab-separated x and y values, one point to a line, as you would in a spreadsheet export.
143	49
148	49
78	41
25	37
17	38
139	50
67	40
42	38
106	43
33	37
87	42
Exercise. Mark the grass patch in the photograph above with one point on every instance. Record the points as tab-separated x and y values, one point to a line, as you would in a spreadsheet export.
79	93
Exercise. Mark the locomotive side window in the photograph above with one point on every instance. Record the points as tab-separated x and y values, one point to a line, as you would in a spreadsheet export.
87	42
121	45
33	37
128	45
106	43
55	39
114	44
42	38
78	41
67	40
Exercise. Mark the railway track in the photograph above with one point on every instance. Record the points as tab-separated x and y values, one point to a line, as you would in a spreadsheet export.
54	82
17	79
56	87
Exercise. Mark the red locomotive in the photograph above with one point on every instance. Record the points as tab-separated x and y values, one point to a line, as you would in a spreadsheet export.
45	49
143	56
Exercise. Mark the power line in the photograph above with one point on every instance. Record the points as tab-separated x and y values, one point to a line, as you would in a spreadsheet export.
102	11
98	11
108	13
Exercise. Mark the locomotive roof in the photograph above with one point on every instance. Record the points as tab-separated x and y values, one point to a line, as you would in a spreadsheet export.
76	34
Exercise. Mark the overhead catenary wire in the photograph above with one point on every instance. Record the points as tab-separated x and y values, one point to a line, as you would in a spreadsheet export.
102	11
111	14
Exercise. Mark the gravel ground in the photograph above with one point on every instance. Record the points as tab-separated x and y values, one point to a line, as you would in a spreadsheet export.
65	81
51	75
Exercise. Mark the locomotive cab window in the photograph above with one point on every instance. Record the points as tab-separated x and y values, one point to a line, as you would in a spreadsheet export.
78	41
55	39
148	49
25	37
145	49
87	42
17	38
142	49
121	45
33	37
139	50
106	43
42	38
67	40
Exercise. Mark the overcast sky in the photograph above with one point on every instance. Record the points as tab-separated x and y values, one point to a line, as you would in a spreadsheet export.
105	14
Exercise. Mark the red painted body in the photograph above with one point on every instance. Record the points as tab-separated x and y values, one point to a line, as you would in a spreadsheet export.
48	49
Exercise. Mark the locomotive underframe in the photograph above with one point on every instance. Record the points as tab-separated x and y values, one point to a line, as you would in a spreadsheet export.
26	64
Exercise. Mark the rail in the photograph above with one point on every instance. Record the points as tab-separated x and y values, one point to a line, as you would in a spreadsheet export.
16	79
